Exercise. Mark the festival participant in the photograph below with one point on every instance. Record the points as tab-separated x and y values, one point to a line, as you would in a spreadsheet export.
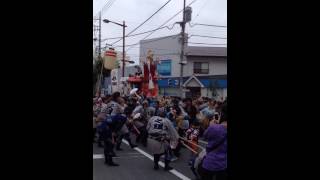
99	112
114	106
161	132
109	128
124	131
141	122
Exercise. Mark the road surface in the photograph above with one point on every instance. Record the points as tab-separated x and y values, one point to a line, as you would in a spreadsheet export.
137	164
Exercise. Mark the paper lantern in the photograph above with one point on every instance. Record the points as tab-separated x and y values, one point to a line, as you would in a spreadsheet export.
110	59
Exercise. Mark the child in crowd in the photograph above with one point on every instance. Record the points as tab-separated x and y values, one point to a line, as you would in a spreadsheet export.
192	135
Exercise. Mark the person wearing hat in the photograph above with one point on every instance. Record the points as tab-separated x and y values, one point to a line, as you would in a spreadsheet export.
161	132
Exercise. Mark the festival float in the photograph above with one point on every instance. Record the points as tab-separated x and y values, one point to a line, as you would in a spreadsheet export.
147	82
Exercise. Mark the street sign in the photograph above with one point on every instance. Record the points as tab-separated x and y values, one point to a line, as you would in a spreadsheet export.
176	82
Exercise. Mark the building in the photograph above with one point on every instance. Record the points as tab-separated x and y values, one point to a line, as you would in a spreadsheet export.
204	69
115	82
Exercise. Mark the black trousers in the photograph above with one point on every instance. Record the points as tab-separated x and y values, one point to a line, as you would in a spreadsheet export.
176	151
108	150
100	139
208	175
126	137
143	136
156	158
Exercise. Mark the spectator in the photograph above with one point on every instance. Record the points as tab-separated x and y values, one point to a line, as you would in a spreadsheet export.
215	161
190	109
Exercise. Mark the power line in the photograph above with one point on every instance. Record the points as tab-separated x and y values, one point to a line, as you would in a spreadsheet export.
144	21
170	28
170	19
112	1
152	48
149	41
215	37
196	24
155	54
200	10
204	43
167	21
106	6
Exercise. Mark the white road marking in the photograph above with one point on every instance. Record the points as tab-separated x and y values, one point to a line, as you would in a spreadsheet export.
173	171
98	156
101	156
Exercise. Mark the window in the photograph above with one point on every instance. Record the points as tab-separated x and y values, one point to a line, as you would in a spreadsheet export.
201	68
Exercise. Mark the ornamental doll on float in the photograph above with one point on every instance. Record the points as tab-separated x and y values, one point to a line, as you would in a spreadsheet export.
150	77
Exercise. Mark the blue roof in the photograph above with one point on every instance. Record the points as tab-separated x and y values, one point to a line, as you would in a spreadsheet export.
220	83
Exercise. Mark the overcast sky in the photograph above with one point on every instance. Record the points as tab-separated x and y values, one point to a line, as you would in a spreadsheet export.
135	12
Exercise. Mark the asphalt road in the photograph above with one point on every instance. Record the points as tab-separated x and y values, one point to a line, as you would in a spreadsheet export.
135	164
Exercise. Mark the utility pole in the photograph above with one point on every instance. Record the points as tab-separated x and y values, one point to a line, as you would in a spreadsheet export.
183	23
100	34
123	53
100	58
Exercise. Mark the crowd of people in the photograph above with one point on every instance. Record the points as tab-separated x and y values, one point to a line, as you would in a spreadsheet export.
164	125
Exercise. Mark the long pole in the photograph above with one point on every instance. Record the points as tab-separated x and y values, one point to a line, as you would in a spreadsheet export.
123	53
182	46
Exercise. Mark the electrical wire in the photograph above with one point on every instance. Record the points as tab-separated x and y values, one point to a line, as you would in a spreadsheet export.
200	10
148	41
144	21
104	10
215	37
107	4
105	7
204	43
155	54
200	24
170	28
166	21
152	48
